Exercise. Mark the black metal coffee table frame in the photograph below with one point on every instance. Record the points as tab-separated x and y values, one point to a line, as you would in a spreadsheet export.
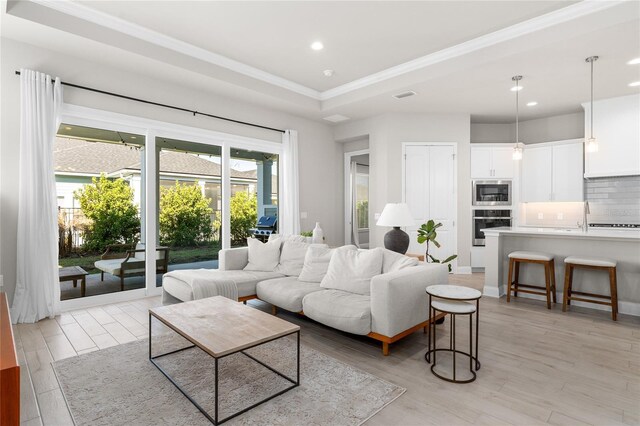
214	419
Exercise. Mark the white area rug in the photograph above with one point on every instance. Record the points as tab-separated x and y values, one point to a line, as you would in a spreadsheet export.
120	386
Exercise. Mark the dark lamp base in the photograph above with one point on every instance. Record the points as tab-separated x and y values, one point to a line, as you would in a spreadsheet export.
396	240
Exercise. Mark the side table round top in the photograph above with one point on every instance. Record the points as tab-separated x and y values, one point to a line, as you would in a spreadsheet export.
453	292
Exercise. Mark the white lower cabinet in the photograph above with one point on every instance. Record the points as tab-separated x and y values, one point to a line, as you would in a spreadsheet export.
553	172
477	257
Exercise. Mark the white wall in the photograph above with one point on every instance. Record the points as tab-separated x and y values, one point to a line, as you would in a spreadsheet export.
548	129
386	134
320	157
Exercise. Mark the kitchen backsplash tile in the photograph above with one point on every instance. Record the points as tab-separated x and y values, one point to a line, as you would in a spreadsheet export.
552	214
613	199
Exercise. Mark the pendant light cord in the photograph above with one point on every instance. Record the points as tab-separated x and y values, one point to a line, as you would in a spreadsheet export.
517	112
591	120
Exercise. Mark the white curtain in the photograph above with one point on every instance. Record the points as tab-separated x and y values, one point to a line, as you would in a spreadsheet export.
37	285
355	237
289	223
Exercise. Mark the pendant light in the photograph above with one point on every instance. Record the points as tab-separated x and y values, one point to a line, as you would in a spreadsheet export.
517	148
591	144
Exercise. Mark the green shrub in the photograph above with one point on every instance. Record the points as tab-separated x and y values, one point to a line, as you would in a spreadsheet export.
244	215
185	216
112	215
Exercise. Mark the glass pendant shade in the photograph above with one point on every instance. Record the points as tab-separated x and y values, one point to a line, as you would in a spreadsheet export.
591	145
517	152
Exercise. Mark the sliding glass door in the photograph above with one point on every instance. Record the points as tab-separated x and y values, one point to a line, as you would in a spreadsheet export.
139	198
254	195
189	203
100	192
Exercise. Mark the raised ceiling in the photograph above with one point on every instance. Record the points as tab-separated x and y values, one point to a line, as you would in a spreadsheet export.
360	38
458	56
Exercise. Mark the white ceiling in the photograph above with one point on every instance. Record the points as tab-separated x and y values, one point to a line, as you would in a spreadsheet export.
458	56
360	38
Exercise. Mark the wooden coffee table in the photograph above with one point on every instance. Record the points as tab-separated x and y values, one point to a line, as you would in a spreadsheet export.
75	274
222	327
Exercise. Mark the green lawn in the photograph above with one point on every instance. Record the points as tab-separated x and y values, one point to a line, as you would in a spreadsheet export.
176	256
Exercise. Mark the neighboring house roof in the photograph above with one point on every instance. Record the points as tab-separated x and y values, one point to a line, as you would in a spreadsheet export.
84	157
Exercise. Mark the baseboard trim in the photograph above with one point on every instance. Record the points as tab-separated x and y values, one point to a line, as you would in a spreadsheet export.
491	291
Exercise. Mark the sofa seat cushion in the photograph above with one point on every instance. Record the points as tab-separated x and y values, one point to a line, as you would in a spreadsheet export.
245	282
286	293
345	311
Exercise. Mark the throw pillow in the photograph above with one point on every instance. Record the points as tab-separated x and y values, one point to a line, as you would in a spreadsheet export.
263	256
292	257
351	270
392	261
316	263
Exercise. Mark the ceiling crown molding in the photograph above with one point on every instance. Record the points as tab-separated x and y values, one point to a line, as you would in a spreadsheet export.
538	23
111	22
114	23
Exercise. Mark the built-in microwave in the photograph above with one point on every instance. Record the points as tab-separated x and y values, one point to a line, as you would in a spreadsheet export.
484	219
491	193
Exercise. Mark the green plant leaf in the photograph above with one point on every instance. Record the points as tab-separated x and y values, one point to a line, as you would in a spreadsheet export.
450	258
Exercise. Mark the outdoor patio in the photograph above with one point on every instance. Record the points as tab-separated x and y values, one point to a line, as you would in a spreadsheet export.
111	284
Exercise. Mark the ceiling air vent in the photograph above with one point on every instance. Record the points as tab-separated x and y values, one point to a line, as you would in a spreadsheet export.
336	118
404	94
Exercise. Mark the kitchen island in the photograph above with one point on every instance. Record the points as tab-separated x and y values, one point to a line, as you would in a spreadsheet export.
620	245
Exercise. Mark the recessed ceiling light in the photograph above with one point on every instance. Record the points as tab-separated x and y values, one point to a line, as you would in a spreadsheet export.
328	73
317	45
133	137
634	61
634	84
67	128
534	103
516	88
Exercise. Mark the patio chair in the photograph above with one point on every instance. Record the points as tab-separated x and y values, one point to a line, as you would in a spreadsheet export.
133	264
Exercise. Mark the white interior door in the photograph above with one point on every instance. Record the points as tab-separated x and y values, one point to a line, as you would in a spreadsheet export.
442	199
430	193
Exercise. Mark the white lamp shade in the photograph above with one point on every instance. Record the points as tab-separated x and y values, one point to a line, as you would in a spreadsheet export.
396	214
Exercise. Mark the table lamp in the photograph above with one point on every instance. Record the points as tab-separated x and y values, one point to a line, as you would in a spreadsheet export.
396	215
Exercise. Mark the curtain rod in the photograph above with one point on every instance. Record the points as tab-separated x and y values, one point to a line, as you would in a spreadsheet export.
144	101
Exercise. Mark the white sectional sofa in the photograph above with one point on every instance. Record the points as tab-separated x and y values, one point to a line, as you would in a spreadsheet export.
387	307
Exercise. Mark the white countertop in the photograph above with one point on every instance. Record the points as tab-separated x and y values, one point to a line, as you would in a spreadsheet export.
615	234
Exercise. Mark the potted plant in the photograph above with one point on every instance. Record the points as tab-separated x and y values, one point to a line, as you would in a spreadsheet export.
427	234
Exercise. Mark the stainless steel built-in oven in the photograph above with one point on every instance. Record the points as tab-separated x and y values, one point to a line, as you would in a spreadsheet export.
483	219
491	193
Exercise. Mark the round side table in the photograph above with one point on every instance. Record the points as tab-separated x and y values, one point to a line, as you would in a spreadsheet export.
453	300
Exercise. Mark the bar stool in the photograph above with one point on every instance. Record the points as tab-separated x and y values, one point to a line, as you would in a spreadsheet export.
454	300
546	259
607	265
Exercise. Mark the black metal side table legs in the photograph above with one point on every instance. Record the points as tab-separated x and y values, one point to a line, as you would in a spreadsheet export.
451	300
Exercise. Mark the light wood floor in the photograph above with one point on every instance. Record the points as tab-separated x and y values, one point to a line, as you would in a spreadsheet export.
538	366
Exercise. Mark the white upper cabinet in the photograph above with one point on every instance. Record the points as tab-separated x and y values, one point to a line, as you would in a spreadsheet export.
536	174
491	162
553	172
480	162
567	173
502	161
616	127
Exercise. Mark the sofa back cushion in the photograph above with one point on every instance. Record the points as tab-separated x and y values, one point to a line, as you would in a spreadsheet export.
292	257
392	261
316	263
351	269
263	256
